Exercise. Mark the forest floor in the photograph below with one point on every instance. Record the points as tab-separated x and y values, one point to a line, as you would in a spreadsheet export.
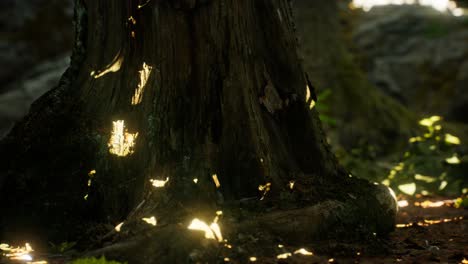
429	230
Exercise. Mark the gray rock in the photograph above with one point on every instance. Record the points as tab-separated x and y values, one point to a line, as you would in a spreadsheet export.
417	55
15	104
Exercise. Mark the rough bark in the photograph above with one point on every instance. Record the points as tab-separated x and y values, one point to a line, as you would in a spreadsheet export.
364	115
226	96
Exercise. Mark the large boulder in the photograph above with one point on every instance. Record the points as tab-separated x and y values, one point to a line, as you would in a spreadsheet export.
417	55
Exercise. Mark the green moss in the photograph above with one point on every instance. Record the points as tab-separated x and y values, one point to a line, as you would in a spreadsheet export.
93	260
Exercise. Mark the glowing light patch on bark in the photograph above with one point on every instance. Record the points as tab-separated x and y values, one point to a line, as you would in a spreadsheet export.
118	227
151	220
428	122
265	189
213	231
19	253
291	185
216	180
252	259
159	183
284	255
91	176
304	252
114	66
145	73
121	142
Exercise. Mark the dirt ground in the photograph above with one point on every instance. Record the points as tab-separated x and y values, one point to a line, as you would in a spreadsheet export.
429	230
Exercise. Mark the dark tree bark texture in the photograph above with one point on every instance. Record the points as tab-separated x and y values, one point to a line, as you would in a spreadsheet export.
204	88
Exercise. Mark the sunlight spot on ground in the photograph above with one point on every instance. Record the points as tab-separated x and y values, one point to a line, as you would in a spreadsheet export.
439	5
409	188
464	261
428	204
121	142
403	203
451	139
226	260
284	255
291	184
159	183
253	259
114	66
19	253
265	189
216	180
453	160
304	252
118	227
213	231
331	260
151	220
427	222
145	73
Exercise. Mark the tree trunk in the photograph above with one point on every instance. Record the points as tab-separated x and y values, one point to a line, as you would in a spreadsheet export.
364	115
206	91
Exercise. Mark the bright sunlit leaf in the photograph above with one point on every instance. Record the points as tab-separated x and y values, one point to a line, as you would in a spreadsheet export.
442	186
403	203
451	139
409	188
424	178
429	121
453	160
